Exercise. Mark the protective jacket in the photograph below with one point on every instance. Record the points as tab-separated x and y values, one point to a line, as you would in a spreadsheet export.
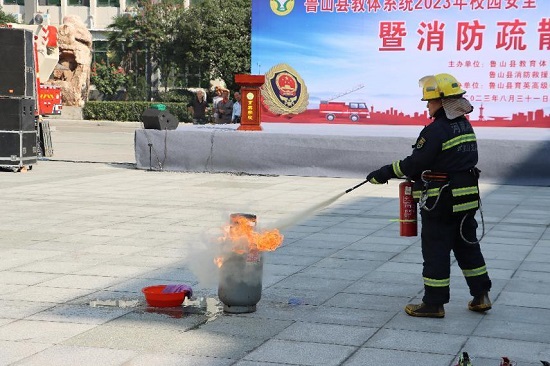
446	147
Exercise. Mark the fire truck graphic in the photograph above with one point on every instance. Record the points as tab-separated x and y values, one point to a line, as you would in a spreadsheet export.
352	110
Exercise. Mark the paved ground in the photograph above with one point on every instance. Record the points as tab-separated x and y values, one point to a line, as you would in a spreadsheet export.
83	232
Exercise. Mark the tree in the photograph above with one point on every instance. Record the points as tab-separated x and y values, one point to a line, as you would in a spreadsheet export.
214	39
156	22
125	46
211	39
232	46
144	42
108	79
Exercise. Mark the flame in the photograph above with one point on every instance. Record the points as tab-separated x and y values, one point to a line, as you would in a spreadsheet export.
269	240
241	238
218	261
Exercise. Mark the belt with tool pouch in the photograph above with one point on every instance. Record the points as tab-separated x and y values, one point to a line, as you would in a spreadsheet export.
463	186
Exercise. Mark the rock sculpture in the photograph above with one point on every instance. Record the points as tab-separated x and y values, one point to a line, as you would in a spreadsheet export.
72	73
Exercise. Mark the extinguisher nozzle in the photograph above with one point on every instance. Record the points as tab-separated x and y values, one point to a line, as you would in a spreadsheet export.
357	186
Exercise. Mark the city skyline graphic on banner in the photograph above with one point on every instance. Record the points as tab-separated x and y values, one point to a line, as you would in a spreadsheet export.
374	51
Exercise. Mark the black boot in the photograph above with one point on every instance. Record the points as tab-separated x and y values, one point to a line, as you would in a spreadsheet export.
464	360
480	303
425	310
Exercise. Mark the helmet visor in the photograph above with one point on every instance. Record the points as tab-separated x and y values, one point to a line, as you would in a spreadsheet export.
430	89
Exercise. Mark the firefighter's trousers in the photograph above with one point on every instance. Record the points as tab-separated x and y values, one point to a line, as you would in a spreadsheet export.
441	233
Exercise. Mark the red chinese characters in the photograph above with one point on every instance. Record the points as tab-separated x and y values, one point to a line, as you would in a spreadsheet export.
431	34
358	6
391	34
342	6
469	35
374	6
311	6
511	35
544	34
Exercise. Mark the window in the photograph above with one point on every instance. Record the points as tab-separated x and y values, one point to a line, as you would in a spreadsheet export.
49	2
115	3
99	50
14	2
79	2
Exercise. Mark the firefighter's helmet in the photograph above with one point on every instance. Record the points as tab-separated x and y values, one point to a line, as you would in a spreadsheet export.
440	86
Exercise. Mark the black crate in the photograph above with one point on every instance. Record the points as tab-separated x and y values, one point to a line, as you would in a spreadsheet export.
17	148
44	139
17	114
17	69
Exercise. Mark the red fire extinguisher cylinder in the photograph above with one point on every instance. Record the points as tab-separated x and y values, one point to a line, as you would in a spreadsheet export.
408	224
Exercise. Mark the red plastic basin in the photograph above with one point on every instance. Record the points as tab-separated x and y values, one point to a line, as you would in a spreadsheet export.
155	297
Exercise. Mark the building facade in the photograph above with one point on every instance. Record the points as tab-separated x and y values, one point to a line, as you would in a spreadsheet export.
96	14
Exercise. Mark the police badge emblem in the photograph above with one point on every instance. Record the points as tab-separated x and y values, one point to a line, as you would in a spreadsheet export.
420	143
284	91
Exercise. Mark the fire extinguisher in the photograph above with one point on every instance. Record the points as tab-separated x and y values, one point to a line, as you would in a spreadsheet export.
408	225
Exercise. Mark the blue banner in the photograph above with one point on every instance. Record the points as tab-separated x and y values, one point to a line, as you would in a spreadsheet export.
323	56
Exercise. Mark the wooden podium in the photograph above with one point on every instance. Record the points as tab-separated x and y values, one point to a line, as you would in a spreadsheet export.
251	109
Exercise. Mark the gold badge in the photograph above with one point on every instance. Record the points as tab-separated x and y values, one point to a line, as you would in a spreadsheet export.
281	7
420	142
284	91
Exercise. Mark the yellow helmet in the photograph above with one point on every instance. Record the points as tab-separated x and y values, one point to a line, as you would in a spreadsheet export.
440	86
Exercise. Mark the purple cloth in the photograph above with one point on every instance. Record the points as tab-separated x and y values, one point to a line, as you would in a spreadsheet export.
172	289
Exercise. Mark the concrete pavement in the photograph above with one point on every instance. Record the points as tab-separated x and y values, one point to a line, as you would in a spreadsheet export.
83	232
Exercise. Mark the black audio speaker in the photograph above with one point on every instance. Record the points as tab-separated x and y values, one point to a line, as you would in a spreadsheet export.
17	69
155	119
17	114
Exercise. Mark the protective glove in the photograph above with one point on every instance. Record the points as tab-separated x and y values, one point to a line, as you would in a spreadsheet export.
381	175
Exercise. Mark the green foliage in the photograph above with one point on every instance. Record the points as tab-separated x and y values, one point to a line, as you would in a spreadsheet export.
108	79
178	95
156	22
125	48
129	111
209	40
136	88
6	18
215	40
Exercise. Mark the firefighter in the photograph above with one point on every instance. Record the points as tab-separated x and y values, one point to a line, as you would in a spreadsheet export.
443	168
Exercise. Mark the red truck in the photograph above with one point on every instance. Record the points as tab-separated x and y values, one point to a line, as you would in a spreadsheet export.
352	110
46	57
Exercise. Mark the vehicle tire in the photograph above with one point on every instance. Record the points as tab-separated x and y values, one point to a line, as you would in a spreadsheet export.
354	118
330	117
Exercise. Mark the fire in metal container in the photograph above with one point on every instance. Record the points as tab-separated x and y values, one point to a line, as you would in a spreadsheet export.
241	262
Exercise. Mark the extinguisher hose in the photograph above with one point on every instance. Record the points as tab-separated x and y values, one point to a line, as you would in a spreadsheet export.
357	186
482	227
422	205
424	199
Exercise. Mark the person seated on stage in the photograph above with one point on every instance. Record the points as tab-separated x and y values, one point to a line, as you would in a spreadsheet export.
197	106
236	115
225	108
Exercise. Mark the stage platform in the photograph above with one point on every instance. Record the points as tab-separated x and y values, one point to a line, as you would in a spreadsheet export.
519	156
